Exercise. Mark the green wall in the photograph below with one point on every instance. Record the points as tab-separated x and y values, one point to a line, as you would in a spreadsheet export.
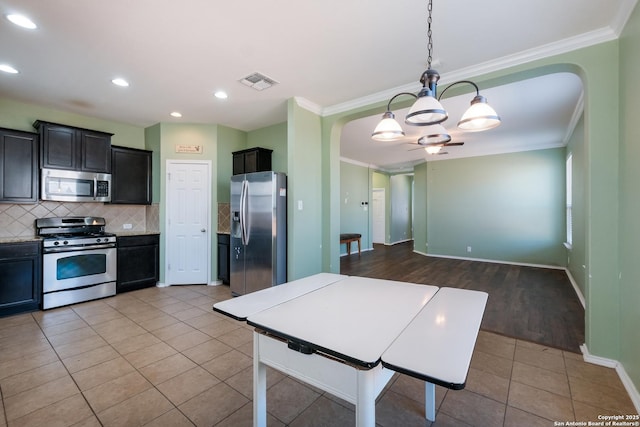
505	207
421	217
274	138
629	307
167	136
304	226
598	68
229	140
20	116
354	189
576	256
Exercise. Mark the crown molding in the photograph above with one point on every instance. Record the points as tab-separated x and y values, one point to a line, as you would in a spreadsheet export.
563	46
308	105
577	113
624	12
404	168
359	163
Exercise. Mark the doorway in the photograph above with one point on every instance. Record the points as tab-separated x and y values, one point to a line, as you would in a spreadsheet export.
378	201
188	222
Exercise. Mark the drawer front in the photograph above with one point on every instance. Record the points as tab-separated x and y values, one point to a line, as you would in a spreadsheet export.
13	250
141	240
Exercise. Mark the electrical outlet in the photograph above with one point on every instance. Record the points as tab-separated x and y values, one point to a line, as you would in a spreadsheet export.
469	249
127	226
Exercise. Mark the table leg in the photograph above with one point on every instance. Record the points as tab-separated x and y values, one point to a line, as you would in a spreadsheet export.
259	386
366	399
430	401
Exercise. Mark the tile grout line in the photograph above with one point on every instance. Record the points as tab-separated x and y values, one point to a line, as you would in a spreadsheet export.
66	369
4	409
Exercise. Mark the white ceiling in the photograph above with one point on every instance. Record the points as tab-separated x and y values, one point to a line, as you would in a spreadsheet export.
332	55
537	113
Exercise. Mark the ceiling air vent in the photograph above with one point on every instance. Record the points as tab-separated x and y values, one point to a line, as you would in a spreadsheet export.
258	81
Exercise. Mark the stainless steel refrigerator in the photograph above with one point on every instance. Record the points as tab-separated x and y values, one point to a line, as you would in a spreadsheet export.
258	231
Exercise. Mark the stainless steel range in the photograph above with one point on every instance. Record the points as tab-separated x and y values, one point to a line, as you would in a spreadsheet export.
78	261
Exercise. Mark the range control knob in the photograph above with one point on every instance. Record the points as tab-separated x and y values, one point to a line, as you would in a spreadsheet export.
56	243
65	243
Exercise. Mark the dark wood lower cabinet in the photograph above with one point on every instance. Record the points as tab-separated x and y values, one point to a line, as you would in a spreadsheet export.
223	257
138	262
20	277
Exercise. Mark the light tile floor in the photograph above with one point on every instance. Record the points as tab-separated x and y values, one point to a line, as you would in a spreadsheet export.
162	357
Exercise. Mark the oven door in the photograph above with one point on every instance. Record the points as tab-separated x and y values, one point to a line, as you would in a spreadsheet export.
76	269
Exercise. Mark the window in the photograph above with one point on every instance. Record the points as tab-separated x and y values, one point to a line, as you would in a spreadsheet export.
569	218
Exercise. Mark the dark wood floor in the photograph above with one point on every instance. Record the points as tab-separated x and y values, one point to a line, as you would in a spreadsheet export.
530	303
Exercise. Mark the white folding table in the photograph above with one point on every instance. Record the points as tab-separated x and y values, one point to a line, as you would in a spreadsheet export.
348	335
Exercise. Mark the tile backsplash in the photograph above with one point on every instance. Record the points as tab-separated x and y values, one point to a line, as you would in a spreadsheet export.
224	217
18	220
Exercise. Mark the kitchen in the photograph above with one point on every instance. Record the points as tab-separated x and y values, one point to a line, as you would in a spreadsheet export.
299	142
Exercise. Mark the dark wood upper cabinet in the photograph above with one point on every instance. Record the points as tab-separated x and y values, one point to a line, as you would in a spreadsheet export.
18	166
251	160
131	178
71	148
96	151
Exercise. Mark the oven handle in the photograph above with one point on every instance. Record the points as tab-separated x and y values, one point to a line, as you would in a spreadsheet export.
56	250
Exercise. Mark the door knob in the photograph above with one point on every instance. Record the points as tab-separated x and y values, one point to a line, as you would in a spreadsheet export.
203	230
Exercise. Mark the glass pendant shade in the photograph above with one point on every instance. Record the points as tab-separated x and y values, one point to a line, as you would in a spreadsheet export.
435	134
426	111
479	116
388	129
433	149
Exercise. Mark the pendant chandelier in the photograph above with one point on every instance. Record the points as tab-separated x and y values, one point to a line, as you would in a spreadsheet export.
427	110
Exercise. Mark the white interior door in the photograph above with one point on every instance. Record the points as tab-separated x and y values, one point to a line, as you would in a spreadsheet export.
188	222
377	200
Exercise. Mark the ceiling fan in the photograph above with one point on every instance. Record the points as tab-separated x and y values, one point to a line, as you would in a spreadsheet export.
434	148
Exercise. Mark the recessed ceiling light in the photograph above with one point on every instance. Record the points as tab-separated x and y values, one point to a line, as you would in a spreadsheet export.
22	21
8	69
120	82
221	94
176	114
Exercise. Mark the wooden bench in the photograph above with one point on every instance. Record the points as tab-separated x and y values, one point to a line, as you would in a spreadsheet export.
437	345
347	238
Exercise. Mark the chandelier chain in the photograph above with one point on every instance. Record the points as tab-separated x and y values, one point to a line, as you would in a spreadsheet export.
430	40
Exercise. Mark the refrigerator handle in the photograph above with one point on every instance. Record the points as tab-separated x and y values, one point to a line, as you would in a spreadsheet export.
243	212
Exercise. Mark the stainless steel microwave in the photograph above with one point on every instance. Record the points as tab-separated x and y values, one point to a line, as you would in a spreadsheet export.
74	186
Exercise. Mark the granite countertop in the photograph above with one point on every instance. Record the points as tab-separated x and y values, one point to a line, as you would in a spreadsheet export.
135	233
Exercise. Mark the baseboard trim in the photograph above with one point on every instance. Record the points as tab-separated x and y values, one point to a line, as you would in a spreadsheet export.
629	386
576	288
356	252
493	261
631	389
